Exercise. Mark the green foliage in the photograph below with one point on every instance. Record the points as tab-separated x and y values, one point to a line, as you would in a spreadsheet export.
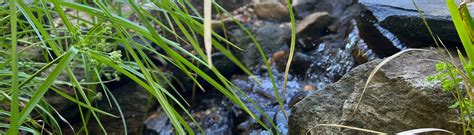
457	78
78	47
445	75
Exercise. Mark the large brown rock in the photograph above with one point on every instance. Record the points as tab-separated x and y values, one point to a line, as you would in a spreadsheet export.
399	98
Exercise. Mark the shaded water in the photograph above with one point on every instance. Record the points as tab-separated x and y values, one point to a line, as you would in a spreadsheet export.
357	41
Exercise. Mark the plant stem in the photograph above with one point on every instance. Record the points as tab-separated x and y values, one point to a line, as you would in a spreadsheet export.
14	124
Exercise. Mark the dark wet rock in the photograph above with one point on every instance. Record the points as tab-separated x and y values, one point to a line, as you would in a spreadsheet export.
311	28
271	36
158	122
300	63
329	62
377	39
360	50
399	98
271	10
317	21
297	98
220	25
211	114
403	19
134	102
333	7
270	106
369	40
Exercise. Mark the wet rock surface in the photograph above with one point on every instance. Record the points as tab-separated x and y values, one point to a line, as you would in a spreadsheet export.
213	115
333	7
402	18
399	98
135	103
322	58
270	35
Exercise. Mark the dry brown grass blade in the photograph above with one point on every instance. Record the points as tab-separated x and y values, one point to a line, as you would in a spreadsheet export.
208	30
377	68
423	130
408	132
348	127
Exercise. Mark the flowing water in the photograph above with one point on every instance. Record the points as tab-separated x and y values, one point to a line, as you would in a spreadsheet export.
360	40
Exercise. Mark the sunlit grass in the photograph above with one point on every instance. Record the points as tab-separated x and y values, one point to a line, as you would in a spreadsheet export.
90	45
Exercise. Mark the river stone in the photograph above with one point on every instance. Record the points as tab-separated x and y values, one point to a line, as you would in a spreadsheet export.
403	19
399	98
316	20
271	10
311	28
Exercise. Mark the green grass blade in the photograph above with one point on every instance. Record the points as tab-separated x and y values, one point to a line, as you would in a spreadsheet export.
22	128
461	29
15	91
48	82
74	100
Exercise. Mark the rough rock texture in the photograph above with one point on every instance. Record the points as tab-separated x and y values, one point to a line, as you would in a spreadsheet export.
399	98
403	19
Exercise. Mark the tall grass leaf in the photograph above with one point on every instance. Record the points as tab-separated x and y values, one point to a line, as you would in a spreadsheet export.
292	52
22	128
74	100
467	19
262	53
63	64
40	31
461	29
79	88
64	19
169	110
15	91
